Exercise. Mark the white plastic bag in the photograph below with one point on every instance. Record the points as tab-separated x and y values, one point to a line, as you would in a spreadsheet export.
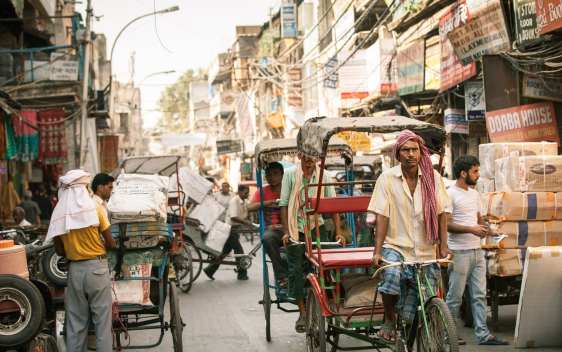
207	212
216	238
138	198
195	186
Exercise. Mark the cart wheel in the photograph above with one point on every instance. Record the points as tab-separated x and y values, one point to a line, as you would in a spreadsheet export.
440	328
315	324
466	309
196	257
183	264
267	307
245	262
54	268
176	325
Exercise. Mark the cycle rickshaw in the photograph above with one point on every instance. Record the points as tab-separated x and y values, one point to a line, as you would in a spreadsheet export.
328	316
268	151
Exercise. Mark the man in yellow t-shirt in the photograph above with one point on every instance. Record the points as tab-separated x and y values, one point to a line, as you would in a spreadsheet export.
89	283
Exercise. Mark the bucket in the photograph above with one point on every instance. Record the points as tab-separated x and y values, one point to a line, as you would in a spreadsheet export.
13	259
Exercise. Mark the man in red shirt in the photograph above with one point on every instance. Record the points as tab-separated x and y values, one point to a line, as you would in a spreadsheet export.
273	235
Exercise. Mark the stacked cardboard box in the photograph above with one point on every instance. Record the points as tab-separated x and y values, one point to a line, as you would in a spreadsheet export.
524	204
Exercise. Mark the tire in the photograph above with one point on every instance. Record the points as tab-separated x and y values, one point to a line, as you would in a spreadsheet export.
315	325
19	328
183	264
176	325
196	258
267	307
442	330
466	309
53	268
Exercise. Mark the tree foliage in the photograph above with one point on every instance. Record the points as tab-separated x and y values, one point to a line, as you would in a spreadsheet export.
174	103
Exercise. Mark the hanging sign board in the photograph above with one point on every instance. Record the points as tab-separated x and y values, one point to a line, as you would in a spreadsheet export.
358	141
474	100
353	75
526	21
483	35
455	121
542	87
288	19
410	64
452	72
432	61
549	15
526	123
477	129
331	81
228	146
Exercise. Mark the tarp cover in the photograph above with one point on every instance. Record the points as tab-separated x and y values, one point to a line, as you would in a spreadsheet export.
315	134
164	165
273	149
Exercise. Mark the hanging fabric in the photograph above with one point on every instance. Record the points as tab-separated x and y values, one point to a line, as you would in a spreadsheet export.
26	137
11	147
53	145
2	136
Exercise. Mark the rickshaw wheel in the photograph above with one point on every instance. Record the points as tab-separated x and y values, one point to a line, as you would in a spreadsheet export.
184	268
267	307
315	324
441	327
196	257
176	326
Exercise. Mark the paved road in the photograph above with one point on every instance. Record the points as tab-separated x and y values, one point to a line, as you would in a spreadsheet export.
224	315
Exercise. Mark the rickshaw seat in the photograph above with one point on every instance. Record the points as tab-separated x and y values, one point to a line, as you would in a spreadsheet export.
342	204
345	257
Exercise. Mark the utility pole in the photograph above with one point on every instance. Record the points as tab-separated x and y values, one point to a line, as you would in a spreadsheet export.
85	83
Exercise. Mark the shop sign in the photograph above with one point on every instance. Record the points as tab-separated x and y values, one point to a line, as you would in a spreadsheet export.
64	71
228	146
353	75
432	61
382	73
549	15
294	98
455	121
527	123
358	141
542	87
526	21
477	129
474	100
483	35
410	65
452	72
331	81
288	19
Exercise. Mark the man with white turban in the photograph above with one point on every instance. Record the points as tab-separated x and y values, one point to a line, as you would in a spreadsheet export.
75	228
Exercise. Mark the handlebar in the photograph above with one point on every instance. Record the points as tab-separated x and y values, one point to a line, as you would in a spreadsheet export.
414	262
297	243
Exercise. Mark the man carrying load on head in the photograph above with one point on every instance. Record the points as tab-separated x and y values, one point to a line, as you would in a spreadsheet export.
409	201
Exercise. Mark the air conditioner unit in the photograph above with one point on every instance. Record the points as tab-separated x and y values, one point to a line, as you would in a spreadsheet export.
305	18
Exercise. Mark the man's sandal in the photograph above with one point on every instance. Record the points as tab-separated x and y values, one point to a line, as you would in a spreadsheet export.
388	328
300	325
494	341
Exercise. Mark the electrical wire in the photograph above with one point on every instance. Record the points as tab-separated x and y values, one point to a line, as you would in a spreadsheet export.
156	28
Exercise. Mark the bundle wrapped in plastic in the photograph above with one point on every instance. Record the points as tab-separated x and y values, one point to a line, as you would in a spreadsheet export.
529	174
485	185
488	153
207	212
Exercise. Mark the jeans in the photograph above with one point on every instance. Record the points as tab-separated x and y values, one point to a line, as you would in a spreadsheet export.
470	268
232	243
272	240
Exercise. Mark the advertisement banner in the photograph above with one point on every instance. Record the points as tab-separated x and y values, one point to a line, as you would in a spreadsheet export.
294	98
228	146
358	141
452	72
353	75
526	28
455	121
331	81
474	100
542	87
410	65
343	29
483	35
108	153
549	15
288	19
382	74
526	123
432	62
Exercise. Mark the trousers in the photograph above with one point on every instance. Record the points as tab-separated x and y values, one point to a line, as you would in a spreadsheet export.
272	240
232	243
88	289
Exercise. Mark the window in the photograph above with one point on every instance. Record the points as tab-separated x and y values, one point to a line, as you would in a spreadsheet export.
123	121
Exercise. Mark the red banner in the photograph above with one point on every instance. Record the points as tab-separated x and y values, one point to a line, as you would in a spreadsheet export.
549	15
108	153
527	123
53	145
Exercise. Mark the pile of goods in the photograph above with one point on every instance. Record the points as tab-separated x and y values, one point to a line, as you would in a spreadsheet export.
519	185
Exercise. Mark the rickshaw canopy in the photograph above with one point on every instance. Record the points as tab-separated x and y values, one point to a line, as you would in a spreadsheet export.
315	134
164	165
273	149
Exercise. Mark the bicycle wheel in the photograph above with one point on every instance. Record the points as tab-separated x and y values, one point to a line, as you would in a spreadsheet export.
440	333
196	257
267	307
315	324
184	270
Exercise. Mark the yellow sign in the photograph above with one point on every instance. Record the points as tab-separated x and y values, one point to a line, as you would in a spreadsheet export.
358	141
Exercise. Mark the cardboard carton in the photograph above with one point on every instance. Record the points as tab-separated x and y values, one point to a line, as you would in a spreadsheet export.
490	152
529	174
510	262
523	234
516	206
485	185
539	314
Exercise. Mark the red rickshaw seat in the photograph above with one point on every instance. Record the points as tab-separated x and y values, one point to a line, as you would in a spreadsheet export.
345	257
342	204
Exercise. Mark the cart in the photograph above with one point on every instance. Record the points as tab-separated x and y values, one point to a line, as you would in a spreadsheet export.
274	150
327	314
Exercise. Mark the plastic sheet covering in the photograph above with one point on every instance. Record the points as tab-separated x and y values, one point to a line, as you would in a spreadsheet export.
485	185
200	240
488	153
193	185
529	174
207	212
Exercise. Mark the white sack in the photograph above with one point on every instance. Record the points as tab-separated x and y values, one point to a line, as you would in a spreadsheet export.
195	186
133	291
216	238
207	212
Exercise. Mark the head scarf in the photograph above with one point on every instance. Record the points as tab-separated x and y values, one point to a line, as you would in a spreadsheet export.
427	183
75	208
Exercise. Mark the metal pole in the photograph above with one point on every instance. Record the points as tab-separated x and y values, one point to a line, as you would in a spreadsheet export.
85	81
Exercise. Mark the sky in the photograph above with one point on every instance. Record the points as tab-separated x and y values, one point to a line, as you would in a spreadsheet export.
186	39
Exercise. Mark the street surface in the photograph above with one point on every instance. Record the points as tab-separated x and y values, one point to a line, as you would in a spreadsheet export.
224	315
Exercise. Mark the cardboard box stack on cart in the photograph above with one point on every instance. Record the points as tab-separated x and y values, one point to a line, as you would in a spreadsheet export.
526	204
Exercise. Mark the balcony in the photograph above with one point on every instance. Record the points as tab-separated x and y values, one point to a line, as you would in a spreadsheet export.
223	104
219	70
